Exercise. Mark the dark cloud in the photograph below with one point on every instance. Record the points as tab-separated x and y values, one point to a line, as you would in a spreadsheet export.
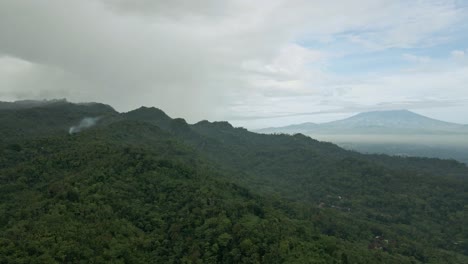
176	8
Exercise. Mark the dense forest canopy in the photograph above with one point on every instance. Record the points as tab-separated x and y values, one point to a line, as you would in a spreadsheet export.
141	187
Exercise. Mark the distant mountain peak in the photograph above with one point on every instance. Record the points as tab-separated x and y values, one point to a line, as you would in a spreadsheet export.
148	113
390	121
390	113
217	124
398	121
390	110
383	115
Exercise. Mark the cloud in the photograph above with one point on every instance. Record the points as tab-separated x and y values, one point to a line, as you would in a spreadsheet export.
211	59
177	8
348	107
19	79
416	59
125	61
294	70
426	86
458	53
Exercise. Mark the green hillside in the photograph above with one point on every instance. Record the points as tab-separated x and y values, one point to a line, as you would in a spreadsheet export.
141	187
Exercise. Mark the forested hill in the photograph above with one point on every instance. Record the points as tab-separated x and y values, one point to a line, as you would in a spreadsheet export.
141	187
46	118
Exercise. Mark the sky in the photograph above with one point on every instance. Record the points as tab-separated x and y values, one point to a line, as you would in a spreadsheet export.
255	63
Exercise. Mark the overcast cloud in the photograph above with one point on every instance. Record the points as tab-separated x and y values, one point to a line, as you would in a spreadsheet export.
255	63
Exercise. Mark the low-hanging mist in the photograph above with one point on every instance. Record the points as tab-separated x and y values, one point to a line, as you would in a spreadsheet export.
86	123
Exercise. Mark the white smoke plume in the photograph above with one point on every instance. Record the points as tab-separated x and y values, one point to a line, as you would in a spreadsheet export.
87	122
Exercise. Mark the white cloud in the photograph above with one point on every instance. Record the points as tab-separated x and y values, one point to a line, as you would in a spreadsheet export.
458	54
19	79
416	59
197	59
445	85
432	84
294	70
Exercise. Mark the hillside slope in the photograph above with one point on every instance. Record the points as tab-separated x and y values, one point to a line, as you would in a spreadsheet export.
142	187
43	119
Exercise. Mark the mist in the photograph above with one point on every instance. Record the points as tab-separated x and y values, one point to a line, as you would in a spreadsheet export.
427	140
432	146
86	123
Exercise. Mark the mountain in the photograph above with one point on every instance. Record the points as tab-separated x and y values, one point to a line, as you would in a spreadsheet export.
376	122
46	117
398	132
142	187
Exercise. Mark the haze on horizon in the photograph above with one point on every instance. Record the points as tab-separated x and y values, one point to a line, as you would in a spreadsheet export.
254	63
